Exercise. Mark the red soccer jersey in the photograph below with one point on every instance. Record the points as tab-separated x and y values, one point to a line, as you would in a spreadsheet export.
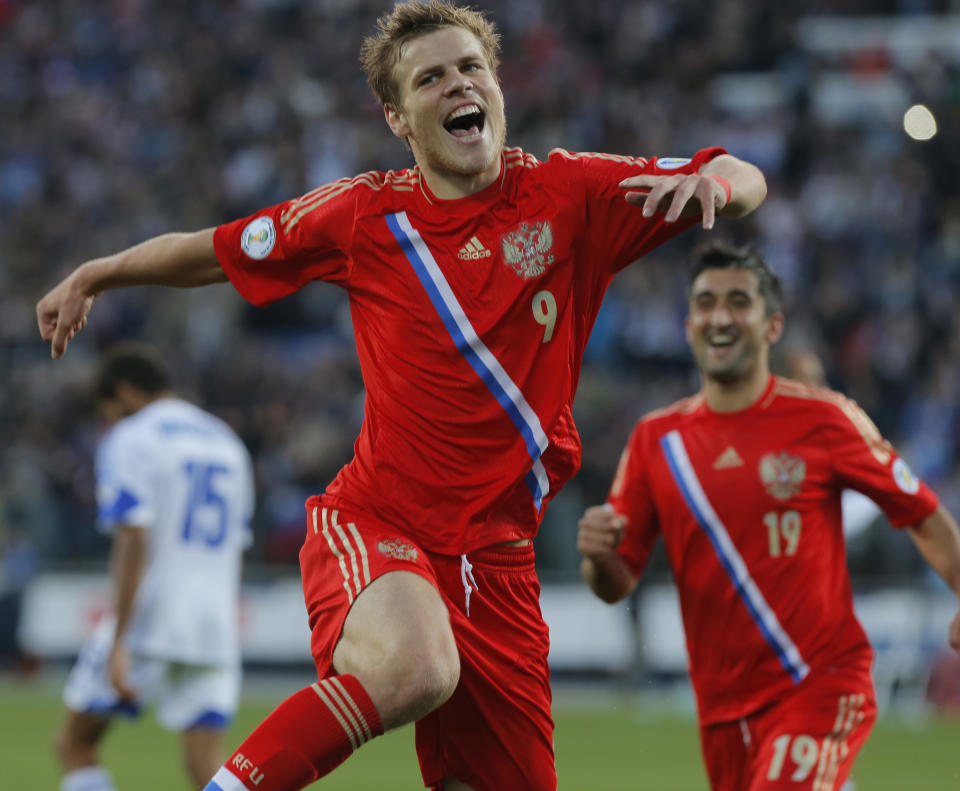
470	316
748	504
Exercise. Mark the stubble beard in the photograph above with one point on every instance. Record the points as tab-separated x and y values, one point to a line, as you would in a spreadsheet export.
730	373
439	158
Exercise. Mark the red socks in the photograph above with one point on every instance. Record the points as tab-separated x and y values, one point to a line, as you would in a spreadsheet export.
306	737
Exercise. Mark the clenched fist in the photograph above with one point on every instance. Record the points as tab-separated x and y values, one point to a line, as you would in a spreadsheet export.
600	531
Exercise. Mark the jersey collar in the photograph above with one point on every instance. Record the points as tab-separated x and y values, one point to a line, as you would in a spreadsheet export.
760	404
471	204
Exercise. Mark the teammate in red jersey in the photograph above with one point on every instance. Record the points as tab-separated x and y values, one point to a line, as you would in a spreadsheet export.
474	279
743	481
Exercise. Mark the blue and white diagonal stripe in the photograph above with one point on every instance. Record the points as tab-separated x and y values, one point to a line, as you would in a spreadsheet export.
488	368
761	612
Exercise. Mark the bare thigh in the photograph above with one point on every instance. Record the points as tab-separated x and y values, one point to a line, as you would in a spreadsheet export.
398	643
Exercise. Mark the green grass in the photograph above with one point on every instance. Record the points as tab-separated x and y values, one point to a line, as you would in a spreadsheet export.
603	744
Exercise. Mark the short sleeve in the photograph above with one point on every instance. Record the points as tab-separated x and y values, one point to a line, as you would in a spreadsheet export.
617	229
278	250
630	495
123	491
865	461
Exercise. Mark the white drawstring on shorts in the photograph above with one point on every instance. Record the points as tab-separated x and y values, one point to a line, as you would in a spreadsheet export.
745	732
466	575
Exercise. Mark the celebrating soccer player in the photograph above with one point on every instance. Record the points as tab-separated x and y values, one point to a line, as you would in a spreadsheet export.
744	482
474	280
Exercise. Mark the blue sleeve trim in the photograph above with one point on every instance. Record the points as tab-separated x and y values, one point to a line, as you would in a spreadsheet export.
121	506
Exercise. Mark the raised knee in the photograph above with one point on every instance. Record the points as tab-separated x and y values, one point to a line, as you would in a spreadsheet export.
439	678
414	687
427	682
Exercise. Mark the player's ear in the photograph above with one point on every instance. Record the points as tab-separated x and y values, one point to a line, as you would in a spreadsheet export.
686	329
396	121
775	327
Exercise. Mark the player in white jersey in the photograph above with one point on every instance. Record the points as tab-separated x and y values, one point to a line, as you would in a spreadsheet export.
175	491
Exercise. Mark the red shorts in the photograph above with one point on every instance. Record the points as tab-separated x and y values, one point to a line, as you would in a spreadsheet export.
805	742
496	731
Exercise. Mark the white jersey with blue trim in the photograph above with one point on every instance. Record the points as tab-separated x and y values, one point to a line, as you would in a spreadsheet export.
185	477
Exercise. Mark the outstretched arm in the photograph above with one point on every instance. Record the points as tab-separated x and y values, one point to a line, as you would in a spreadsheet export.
703	193
938	540
748	187
606	572
174	259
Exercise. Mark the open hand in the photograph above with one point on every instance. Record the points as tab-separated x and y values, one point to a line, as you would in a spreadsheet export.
677	195
62	313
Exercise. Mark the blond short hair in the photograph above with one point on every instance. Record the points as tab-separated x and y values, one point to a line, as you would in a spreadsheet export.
380	53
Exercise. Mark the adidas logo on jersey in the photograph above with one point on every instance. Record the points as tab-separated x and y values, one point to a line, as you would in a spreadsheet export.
473	251
729	458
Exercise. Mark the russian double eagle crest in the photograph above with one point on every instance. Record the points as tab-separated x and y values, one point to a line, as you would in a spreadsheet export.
527	249
782	474
397	549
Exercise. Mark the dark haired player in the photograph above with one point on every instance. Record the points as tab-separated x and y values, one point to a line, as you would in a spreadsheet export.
744	482
175	492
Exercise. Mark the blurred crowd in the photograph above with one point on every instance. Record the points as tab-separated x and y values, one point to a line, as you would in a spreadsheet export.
127	118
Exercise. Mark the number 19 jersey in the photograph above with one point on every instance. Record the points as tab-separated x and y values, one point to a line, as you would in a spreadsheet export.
748	504
471	317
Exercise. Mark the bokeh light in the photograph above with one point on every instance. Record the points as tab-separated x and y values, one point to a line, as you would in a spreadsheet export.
919	123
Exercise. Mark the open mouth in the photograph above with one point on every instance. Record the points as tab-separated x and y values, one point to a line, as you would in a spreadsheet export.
720	341
465	121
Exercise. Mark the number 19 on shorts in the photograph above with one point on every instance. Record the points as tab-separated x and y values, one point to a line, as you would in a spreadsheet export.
803	751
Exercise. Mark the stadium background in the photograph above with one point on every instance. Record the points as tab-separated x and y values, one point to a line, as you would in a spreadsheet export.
129	118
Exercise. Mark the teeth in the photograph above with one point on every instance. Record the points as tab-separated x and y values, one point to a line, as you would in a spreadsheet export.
467	109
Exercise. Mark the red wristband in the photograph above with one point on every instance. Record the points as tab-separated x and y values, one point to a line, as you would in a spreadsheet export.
726	186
